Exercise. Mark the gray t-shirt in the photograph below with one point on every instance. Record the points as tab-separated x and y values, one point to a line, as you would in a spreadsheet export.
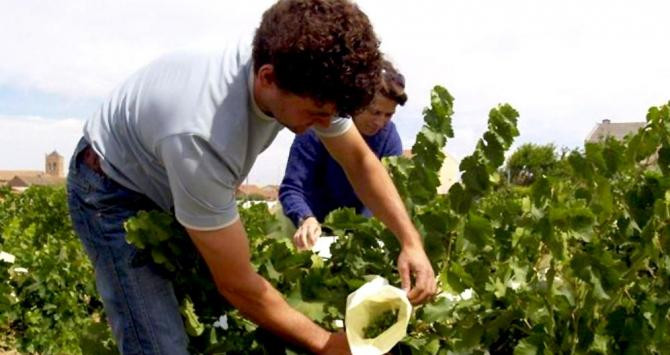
185	131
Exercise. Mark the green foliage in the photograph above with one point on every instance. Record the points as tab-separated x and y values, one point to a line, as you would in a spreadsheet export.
48	302
161	239
5	191
530	161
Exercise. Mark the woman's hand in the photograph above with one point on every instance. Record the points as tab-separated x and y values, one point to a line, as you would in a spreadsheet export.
307	234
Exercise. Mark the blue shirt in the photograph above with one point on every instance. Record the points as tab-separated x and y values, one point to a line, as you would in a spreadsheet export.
314	183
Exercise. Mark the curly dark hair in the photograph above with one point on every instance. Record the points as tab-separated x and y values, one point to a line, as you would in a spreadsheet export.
393	83
322	49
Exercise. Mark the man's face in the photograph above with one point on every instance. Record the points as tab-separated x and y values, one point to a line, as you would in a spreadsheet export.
298	113
374	117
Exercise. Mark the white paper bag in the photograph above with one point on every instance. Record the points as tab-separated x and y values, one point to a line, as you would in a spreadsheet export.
368	302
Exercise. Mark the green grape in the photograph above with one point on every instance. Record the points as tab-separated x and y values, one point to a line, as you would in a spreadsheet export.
380	323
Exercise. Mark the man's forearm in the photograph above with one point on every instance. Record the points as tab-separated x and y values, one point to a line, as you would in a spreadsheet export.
375	188
226	252
265	306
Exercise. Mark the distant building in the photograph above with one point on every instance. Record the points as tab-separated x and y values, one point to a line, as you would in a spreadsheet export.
448	172
54	164
253	192
53	174
6	175
617	130
24	182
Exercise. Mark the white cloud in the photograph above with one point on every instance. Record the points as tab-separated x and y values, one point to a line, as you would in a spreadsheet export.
25	141
564	65
270	165
85	48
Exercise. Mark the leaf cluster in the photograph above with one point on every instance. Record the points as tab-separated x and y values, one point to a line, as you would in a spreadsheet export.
48	302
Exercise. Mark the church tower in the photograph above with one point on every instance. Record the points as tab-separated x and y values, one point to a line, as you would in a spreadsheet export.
54	164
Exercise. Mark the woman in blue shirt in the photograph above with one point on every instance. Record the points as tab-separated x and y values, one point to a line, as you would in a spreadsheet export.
314	183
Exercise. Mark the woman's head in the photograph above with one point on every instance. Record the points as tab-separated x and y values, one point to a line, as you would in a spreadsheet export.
379	112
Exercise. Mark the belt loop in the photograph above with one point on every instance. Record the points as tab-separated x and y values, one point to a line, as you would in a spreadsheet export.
92	160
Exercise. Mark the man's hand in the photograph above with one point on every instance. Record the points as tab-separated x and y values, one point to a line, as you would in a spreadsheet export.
375	188
413	261
307	234
337	345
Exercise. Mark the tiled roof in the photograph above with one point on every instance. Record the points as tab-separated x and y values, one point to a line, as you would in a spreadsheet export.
41	180
269	192
616	130
6	175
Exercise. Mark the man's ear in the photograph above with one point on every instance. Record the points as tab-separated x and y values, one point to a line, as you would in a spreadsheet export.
266	76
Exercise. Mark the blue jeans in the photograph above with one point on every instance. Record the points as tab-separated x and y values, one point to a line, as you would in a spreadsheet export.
139	301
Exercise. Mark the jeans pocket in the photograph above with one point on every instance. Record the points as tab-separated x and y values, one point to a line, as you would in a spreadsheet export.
108	197
82	225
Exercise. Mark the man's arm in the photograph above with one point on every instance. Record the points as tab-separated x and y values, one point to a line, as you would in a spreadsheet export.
204	203
226	252
374	187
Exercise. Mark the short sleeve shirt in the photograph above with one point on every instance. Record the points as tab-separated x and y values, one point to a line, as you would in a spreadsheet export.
185	131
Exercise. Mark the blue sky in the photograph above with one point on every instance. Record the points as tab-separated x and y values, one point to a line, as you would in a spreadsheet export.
16	101
564	65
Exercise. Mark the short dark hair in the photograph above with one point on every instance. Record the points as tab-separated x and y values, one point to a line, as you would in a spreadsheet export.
393	83
322	49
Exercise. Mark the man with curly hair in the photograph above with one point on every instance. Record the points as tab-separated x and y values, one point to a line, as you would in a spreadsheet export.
184	131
